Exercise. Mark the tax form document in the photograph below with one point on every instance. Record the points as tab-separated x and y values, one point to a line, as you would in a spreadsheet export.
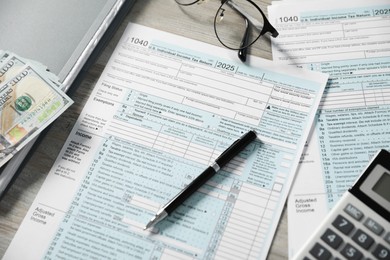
164	108
351	42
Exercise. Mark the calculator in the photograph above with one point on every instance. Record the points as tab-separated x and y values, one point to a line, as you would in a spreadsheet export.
358	227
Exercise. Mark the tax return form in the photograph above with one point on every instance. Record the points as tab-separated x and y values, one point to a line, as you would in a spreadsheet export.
351	42
165	107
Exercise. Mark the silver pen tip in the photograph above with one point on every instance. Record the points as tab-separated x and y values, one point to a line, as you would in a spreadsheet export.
157	218
153	221
148	225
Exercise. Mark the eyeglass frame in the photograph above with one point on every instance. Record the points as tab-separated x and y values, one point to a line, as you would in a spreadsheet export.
267	26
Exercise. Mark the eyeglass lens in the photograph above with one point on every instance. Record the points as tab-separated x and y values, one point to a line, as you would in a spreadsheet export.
238	23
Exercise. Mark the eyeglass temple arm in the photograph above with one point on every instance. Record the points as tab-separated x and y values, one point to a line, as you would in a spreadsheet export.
242	52
258	25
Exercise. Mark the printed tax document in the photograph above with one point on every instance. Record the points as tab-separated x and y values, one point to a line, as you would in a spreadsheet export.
162	110
351	42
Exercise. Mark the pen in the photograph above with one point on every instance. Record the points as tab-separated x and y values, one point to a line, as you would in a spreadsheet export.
210	171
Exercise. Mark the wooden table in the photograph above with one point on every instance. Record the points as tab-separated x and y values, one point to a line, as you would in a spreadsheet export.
193	22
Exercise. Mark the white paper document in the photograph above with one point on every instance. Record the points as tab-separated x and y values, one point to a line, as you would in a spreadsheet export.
351	42
163	109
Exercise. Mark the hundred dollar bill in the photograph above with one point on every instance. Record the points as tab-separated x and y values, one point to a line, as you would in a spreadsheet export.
10	66
28	103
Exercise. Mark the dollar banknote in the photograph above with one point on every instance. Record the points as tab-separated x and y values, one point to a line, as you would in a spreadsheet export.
10	65
29	101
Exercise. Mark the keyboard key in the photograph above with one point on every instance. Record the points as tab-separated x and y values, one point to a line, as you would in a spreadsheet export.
320	252
362	239
381	252
353	212
343	224
331	238
373	226
350	252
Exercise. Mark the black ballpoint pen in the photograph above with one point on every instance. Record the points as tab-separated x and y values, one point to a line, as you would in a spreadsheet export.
210	171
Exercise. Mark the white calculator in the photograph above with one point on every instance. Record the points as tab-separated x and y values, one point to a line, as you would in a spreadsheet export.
358	227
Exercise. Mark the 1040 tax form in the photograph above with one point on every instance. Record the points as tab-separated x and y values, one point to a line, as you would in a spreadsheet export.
165	107
351	42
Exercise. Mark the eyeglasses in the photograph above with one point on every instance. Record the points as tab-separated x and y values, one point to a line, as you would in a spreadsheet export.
238	24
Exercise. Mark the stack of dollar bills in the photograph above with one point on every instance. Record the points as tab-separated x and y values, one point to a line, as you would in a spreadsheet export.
30	99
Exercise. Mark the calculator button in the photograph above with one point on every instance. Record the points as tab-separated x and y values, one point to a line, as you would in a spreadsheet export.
362	239
343	224
331	238
353	212
373	226
320	252
381	252
350	252
387	237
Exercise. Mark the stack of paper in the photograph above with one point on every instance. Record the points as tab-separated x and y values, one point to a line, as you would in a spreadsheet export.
351	42
165	107
30	99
